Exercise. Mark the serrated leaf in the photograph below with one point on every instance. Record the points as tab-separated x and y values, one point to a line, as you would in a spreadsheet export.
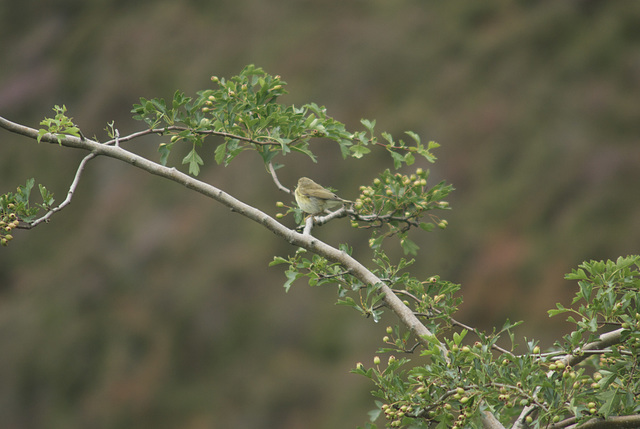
304	149
397	159
359	151
409	247
194	161
277	260
47	197
610	401
220	153
409	158
413	135
41	132
291	277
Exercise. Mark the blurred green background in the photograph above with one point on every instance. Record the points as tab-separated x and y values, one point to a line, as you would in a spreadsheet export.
145	305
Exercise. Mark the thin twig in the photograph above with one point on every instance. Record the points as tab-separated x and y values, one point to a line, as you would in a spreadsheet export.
275	179
308	225
163	130
67	200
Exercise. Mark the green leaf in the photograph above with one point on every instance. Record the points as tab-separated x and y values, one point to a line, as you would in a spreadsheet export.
41	132
409	247
369	125
414	136
291	277
409	158
25	191
47	197
427	226
610	401
194	161
359	151
277	260
397	159
164	150
458	337
220	153
576	275
304	148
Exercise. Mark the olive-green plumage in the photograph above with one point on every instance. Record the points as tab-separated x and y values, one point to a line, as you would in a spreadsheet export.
313	198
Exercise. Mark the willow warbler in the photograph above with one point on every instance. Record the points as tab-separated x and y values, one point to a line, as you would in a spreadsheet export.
313	198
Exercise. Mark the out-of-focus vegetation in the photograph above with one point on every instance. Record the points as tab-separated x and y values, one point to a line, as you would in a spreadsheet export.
141	305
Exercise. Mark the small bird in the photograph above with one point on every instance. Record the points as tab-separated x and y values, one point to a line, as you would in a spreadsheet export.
313	198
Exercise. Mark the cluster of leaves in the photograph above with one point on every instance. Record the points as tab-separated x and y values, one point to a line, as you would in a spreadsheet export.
392	205
452	390
15	208
398	202
433	299
244	111
609	297
60	125
320	271
401	152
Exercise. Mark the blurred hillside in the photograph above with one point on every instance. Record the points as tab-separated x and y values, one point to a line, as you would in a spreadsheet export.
144	305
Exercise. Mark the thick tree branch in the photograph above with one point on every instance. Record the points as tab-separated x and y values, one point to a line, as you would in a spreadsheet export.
297	239
605	340
614	422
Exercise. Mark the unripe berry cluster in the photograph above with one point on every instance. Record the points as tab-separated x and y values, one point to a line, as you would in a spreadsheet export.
8	222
